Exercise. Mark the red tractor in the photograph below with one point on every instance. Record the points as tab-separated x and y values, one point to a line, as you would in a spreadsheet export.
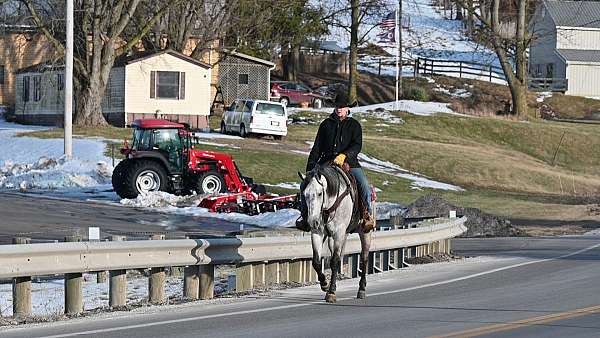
163	158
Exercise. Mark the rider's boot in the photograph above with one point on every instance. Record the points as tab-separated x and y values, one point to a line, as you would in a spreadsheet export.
368	223
301	224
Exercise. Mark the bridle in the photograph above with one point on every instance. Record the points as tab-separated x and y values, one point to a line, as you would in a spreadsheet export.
326	213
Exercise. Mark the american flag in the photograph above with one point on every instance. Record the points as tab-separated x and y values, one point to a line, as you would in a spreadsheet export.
388	28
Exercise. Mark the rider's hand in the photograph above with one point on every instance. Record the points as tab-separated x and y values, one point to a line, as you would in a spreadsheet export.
339	160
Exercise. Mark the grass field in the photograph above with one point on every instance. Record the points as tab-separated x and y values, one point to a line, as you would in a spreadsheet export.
530	169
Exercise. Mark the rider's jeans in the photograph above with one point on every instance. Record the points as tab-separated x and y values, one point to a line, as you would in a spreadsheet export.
365	188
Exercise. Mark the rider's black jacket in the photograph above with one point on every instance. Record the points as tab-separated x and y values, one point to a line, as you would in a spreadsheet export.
335	137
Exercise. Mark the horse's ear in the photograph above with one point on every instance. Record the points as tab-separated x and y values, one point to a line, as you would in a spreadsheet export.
302	176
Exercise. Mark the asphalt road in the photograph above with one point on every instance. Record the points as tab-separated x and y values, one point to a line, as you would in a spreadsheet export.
43	218
516	287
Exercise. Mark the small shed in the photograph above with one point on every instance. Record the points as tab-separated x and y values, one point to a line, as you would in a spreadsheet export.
164	84
243	76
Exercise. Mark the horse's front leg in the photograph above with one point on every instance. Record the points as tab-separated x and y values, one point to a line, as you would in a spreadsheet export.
336	260
317	245
365	243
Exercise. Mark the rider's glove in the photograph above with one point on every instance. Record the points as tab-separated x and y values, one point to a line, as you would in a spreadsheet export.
339	160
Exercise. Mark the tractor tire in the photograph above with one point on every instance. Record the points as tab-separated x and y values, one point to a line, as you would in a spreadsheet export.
139	177
117	175
243	132
210	182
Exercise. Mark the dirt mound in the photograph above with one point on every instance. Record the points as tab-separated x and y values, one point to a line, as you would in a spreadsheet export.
479	223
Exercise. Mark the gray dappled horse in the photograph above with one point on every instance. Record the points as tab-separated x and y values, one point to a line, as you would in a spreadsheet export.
330	202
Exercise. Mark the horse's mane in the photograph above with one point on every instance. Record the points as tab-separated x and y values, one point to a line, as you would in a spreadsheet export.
331	175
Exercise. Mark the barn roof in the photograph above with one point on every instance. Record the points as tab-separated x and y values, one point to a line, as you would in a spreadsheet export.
580	55
584	14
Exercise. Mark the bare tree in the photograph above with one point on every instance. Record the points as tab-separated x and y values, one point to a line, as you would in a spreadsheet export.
98	40
358	18
507	47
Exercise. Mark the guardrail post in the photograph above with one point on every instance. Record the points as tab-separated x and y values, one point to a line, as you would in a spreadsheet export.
272	273
156	281
207	281
259	274
353	263
371	263
244	277
310	275
284	271
21	288
191	282
385	260
297	271
448	245
73	286
117	294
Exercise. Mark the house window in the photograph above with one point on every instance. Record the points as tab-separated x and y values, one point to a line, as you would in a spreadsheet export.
37	90
550	70
167	85
243	79
1	74
25	89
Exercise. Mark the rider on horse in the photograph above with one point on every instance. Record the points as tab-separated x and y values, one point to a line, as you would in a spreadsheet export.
339	139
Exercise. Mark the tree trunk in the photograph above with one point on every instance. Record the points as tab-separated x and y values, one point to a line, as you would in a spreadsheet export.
352	95
293	63
470	17
518	94
88	106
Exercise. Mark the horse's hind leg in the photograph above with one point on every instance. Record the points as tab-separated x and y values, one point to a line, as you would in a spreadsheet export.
317	244
365	243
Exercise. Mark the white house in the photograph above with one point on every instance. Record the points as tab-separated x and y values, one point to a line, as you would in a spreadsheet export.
566	45
165	84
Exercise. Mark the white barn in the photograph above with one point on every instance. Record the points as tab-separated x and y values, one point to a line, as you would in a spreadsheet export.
165	84
566	45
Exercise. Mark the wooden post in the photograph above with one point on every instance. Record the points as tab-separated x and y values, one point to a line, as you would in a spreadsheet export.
21	288
244	277
284	272
259	274
272	273
207	281
191	282
118	283
490	67
460	69
156	282
73	286
297	271
379	71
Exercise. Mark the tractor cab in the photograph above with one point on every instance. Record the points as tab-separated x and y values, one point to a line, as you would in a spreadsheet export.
166	139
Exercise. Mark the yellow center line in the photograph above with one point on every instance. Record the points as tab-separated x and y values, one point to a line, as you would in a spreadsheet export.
522	323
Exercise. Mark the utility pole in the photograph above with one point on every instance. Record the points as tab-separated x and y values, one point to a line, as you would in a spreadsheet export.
69	82
400	46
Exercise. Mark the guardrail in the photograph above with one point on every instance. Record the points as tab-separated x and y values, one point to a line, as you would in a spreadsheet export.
260	261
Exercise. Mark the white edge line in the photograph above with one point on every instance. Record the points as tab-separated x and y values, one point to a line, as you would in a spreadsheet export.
127	327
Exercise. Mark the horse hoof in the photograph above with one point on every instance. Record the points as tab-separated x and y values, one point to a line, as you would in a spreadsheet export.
330	298
361	294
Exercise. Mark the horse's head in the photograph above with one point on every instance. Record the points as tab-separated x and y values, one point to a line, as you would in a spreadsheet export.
317	192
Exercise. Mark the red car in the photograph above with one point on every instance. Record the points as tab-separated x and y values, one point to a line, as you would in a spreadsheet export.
294	93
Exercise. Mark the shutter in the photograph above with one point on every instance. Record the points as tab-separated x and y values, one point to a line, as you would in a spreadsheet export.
152	84
182	86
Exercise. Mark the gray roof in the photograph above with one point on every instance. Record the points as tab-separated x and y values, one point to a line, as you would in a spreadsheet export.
331	46
575	13
580	55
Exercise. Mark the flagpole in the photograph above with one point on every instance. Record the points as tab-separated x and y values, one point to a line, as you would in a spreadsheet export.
397	58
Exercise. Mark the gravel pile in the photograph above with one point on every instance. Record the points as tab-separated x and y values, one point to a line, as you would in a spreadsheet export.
479	223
